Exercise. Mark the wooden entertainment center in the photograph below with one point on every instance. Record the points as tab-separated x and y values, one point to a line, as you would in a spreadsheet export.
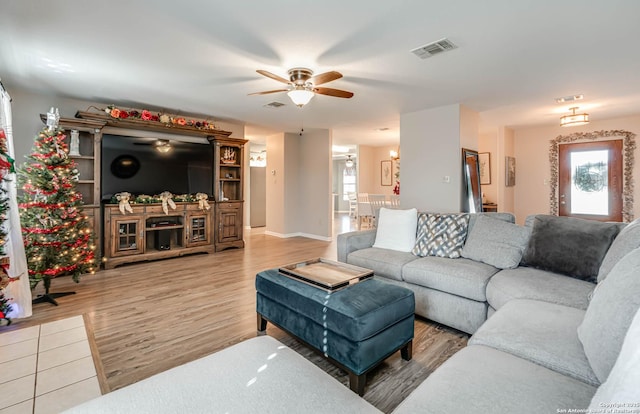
147	232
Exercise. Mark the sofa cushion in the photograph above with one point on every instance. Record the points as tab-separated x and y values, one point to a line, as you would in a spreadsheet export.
441	235
614	304
479	379
383	262
508	217
541	332
234	380
623	384
496	242
462	277
569	245
396	229
627	240
530	283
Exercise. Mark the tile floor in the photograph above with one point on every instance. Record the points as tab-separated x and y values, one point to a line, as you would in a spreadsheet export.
46	368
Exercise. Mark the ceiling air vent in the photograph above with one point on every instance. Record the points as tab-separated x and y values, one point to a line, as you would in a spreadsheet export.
274	104
569	98
434	48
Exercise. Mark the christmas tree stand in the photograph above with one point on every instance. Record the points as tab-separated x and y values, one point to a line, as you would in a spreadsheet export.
49	297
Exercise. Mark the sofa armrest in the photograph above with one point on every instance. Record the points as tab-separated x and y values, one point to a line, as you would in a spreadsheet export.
354	240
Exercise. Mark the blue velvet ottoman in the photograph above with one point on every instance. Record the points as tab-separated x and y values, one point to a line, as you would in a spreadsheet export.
356	328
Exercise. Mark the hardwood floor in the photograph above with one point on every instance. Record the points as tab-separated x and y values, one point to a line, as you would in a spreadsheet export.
149	317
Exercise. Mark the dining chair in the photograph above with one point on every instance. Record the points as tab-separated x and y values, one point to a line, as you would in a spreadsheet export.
365	213
353	205
377	201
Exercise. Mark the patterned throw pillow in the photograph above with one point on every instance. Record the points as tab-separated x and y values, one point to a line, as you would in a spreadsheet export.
441	235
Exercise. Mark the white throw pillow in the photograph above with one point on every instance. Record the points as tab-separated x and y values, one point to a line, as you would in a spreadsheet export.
396	229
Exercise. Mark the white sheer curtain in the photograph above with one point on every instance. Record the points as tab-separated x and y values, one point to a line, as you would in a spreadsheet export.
19	290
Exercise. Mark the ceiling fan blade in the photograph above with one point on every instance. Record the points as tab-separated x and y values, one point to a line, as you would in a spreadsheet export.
333	92
325	77
267	92
272	76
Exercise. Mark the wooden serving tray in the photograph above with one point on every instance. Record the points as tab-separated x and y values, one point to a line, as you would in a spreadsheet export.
326	274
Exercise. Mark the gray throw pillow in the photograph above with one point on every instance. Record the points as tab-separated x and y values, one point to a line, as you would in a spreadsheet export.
568	245
627	240
441	235
623	383
496	242
609	314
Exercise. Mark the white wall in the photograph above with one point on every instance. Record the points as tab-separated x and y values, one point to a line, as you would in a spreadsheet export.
275	184
369	171
489	143
315	195
365	166
430	147
531	192
299	193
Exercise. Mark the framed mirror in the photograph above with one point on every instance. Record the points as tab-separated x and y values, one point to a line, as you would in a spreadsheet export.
471	192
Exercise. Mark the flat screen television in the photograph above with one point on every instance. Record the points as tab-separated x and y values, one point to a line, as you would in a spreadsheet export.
135	165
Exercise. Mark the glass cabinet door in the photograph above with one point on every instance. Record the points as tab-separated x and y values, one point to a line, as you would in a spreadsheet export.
127	236
198	232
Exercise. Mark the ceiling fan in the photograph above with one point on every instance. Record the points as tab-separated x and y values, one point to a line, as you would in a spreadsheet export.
302	85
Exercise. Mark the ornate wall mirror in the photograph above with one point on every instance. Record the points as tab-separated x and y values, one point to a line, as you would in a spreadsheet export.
471	192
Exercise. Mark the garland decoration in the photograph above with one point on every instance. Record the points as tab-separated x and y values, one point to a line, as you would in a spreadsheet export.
167	120
628	150
154	199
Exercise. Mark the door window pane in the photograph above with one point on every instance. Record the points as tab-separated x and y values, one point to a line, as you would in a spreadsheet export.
589	184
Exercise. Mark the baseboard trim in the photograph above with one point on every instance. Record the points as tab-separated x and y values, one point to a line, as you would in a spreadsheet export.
298	234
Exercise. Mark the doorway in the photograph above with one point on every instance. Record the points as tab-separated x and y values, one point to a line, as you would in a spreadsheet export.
590	180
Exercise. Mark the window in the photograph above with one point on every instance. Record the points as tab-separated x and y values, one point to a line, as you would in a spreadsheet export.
348	182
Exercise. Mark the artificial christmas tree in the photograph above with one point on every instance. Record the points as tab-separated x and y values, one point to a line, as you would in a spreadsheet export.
57	235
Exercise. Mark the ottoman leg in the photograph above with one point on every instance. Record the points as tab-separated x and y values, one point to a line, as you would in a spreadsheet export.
356	383
262	324
407	351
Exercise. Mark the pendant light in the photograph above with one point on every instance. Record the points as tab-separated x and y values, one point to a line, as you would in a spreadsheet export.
574	119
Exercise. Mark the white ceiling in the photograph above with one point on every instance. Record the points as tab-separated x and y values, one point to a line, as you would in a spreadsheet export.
513	58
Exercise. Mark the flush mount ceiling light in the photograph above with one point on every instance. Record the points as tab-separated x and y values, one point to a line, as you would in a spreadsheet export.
349	162
574	119
301	95
163	145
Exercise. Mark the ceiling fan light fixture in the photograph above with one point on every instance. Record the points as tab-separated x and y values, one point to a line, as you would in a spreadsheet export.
349	162
163	146
574	119
300	95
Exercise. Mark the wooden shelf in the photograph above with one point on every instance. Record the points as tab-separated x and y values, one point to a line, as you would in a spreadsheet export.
156	228
82	157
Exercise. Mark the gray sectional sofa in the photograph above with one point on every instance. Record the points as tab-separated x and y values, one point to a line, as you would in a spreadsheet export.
551	343
551	340
463	292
